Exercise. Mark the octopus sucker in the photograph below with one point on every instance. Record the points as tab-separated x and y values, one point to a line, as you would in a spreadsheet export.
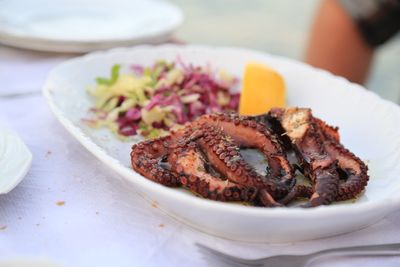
204	156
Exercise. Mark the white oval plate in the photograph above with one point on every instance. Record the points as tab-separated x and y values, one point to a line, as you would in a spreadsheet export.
82	26
369	127
15	160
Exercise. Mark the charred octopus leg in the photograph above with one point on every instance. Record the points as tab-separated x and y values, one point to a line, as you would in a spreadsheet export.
328	132
247	133
316	162
147	159
188	161
177	160
223	153
354	170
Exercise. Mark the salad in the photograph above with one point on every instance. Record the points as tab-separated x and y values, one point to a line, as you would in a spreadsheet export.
152	100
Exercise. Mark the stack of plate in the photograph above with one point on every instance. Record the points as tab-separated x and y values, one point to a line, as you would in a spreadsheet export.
82	26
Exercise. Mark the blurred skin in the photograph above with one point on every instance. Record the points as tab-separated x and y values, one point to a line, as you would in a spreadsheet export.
336	44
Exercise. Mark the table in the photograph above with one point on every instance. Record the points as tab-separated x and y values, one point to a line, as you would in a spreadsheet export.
74	211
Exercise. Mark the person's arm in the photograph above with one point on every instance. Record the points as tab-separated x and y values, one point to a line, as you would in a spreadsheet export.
337	45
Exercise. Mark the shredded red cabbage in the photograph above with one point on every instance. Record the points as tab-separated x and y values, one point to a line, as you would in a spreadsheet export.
191	92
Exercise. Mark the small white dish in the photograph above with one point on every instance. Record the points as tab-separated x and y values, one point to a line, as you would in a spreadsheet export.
15	160
369	127
82	26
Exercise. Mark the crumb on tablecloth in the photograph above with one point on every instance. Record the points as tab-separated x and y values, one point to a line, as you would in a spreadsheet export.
154	204
60	203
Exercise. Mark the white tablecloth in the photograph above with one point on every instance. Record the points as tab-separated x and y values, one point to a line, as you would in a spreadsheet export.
23	71
75	211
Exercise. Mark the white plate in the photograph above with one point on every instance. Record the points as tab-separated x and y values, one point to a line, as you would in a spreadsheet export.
82	26
15	160
369	126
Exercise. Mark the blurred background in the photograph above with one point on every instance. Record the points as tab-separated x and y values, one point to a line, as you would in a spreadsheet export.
277	27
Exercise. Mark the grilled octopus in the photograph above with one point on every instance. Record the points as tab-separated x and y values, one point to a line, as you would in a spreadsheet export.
204	156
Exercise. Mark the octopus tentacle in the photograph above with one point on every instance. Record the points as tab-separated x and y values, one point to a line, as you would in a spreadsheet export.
302	191
223	153
146	158
307	141
189	163
329	132
354	168
250	134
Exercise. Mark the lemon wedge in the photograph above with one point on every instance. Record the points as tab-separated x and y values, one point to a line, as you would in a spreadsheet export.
263	88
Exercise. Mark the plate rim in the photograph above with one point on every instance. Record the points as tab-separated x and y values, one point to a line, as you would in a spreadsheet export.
388	202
